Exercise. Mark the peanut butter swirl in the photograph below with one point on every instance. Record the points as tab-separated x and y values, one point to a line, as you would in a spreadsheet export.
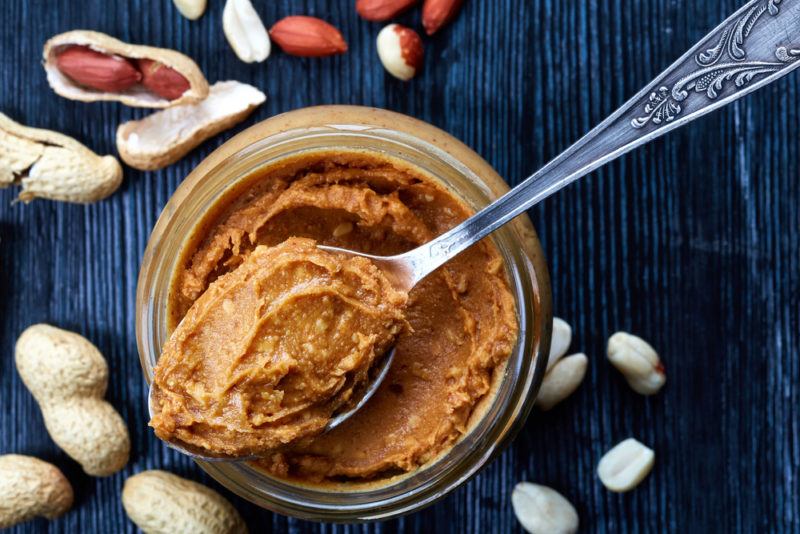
272	349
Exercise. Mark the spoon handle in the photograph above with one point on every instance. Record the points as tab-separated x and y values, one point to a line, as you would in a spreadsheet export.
754	47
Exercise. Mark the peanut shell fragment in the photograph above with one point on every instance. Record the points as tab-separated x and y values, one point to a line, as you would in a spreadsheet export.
159	502
638	361
542	510
625	466
51	165
166	136
93	49
562	380
30	487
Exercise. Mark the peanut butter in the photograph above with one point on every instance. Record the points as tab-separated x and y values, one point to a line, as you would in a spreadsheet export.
272	349
461	321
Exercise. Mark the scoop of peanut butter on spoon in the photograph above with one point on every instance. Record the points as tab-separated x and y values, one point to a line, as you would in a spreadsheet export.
273	350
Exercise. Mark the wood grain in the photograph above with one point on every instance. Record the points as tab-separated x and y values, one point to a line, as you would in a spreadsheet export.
692	242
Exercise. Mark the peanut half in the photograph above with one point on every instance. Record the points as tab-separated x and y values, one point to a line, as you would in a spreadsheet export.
191	9
638	361
30	488
245	32
159	502
625	466
167	135
559	341
51	165
68	377
542	510
91	66
562	380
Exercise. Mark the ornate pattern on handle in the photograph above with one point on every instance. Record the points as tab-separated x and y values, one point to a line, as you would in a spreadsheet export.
663	105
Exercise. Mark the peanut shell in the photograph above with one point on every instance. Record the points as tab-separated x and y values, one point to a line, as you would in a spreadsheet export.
30	487
51	165
159	502
137	95
166	136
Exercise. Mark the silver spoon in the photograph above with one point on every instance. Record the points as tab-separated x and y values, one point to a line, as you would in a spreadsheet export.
752	48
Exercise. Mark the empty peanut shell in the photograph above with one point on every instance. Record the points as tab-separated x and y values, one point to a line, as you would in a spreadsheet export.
166	136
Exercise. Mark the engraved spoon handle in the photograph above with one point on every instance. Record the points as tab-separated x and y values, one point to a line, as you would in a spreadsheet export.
754	47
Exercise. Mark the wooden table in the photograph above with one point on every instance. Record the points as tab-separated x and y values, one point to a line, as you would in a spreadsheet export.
693	243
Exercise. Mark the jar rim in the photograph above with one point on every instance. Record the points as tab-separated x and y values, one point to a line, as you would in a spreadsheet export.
369	129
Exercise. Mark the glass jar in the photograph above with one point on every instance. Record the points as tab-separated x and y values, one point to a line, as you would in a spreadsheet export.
464	173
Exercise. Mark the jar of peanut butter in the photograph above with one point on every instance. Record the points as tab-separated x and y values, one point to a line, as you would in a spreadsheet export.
473	345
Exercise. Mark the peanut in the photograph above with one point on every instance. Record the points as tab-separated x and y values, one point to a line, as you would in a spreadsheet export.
559	341
638	361
30	488
625	466
51	165
562	380
162	80
104	72
68	377
159	502
92	66
379	10
245	32
542	510
191	9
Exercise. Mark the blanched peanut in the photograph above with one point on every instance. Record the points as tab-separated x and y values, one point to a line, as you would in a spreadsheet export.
542	510
562	380
559	342
625	466
638	361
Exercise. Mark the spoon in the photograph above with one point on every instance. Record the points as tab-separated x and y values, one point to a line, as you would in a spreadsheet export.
752	48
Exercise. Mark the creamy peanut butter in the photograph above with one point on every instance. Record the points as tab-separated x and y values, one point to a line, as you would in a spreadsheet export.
461	321
272	349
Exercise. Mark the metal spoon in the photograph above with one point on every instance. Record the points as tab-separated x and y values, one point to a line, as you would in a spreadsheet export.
752	48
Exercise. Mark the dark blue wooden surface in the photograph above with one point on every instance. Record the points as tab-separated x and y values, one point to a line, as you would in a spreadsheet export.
692	242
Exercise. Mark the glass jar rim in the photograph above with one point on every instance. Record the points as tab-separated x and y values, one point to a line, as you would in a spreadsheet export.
368	129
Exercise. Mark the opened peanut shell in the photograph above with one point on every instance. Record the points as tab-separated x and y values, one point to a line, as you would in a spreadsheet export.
166	136
91	66
51	165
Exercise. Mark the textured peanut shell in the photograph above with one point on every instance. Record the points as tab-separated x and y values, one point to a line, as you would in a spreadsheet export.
30	488
138	95
160	502
180	129
68	377
51	165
